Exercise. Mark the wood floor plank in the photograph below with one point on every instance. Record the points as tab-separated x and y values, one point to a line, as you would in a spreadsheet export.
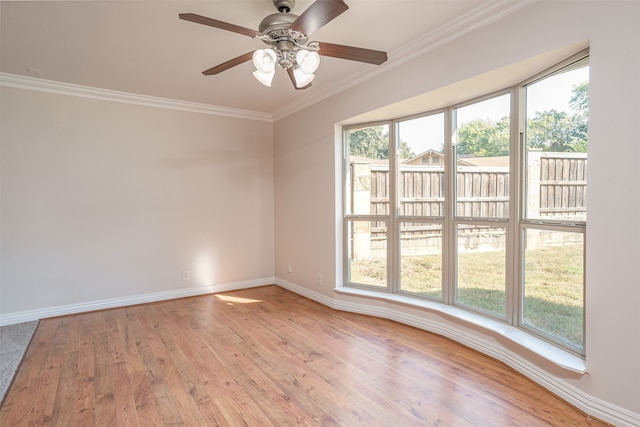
158	405
84	403
261	357
105	409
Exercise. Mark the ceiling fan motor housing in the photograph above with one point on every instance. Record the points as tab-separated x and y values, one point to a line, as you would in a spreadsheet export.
275	30
276	21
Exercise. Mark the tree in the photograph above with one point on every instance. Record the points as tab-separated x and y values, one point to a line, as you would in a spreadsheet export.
405	151
556	131
579	101
549	130
560	131
484	138
373	143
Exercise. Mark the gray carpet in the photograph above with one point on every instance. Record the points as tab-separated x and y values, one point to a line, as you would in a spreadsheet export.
14	340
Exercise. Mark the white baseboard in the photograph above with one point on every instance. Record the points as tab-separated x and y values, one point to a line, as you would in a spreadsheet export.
587	403
315	296
43	313
590	405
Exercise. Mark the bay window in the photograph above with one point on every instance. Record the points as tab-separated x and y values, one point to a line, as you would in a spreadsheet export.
481	205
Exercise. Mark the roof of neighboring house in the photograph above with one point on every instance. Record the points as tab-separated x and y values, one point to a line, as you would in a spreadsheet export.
430	152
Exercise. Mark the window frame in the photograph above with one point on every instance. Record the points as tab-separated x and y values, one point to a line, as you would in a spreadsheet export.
515	224
524	223
522	229
456	220
366	217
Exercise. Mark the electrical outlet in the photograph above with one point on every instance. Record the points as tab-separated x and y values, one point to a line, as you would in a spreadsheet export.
186	275
319	278
290	268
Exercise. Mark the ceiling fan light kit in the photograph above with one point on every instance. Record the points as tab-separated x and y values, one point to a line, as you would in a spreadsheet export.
302	79
265	62
308	61
287	36
265	77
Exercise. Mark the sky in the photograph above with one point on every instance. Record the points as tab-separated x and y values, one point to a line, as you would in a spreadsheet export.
554	92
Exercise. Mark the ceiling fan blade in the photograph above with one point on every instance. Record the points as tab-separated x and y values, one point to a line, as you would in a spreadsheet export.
293	79
199	19
230	63
317	15
353	53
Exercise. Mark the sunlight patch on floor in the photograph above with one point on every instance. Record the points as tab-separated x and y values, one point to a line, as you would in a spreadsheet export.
238	300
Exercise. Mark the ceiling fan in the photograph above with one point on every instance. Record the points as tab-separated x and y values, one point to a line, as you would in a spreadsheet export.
287	36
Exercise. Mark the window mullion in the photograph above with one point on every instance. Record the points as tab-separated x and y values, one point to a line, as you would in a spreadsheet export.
393	230
514	238
448	240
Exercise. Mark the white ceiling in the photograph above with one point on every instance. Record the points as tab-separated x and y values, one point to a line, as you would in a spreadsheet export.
142	47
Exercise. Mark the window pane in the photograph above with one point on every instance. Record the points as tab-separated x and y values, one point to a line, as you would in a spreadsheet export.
482	139
421	181
481	268
554	284
368	175
556	143
421	258
367	252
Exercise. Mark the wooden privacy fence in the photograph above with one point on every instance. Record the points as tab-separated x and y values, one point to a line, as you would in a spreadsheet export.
556	189
557	185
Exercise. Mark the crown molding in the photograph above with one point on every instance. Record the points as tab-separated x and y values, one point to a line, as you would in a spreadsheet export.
49	86
473	20
481	16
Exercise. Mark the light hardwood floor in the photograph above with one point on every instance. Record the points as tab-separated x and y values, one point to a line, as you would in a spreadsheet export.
263	356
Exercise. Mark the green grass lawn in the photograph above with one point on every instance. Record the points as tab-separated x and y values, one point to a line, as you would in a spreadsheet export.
553	296
554	292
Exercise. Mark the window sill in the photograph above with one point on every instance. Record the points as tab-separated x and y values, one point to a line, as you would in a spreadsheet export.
549	352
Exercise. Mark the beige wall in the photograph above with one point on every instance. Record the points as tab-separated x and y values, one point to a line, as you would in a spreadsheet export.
305	174
104	200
